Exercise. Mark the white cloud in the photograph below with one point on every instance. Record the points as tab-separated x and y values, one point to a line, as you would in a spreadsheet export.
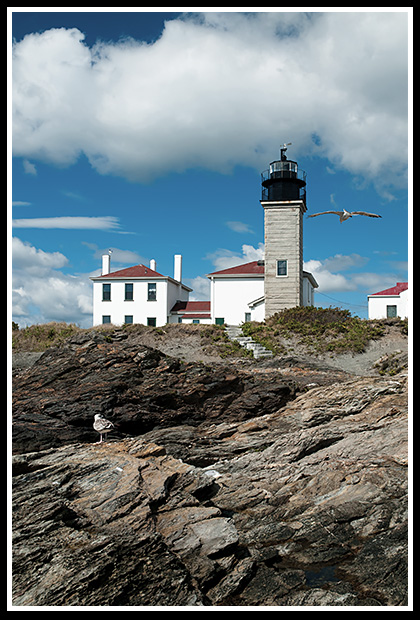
42	293
69	222
373	282
223	258
327	274
29	167
219	89
201	288
118	256
239	227
327	280
342	262
28	258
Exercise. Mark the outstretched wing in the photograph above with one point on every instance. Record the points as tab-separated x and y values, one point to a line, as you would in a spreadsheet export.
364	213
325	212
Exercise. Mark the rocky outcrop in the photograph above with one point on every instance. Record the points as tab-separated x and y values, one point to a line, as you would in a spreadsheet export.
304	504
138	388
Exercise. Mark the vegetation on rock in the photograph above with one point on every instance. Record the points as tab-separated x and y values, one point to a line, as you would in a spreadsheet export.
319	330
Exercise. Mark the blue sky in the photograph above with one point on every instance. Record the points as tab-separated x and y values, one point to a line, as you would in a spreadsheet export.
146	132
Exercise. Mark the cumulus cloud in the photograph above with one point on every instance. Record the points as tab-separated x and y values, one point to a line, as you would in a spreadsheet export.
42	293
201	288
327	280
219	89
328	274
27	257
343	262
223	258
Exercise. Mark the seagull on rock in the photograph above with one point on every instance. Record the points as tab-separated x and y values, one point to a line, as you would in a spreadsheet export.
102	426
345	215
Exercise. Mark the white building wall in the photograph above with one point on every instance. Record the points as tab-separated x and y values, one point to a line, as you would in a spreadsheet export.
139	308
176	292
187	321
258	312
403	307
230	298
377	305
307	292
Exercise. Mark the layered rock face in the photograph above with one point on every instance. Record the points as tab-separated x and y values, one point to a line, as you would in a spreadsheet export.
138	387
223	502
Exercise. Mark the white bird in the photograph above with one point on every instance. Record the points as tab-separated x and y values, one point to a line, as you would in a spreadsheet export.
102	426
345	215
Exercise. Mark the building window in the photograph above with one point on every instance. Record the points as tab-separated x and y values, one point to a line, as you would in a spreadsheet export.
196	321
151	291
128	319
282	267
151	321
219	321
128	292
391	312
180	319
106	292
247	317
106	318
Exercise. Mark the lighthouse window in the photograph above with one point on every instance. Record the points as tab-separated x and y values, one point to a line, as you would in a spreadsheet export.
282	267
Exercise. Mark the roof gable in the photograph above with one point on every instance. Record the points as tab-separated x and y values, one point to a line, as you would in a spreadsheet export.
138	271
394	290
191	306
254	268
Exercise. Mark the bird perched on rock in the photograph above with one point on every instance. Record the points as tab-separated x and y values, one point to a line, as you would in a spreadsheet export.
345	215
102	426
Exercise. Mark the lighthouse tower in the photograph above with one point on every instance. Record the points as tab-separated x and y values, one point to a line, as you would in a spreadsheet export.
284	202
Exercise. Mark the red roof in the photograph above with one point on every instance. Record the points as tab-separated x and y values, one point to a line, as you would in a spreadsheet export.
395	290
196	316
138	271
191	306
256	267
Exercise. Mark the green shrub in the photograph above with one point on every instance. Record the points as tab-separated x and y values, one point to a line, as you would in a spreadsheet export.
40	337
320	330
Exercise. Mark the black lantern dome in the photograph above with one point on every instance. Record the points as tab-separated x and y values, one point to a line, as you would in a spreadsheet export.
283	181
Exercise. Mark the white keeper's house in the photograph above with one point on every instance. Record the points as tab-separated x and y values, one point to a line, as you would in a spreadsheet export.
246	292
237	293
392	302
141	294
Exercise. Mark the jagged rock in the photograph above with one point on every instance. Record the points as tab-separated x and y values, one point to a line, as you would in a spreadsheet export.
138	388
84	530
305	505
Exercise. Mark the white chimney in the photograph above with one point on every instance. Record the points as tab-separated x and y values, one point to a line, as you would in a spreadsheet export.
178	267
106	263
152	264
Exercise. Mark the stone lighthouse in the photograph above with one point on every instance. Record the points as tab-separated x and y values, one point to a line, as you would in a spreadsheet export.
284	202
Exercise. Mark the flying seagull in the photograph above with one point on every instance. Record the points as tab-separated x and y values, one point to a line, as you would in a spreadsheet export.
102	426
344	215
